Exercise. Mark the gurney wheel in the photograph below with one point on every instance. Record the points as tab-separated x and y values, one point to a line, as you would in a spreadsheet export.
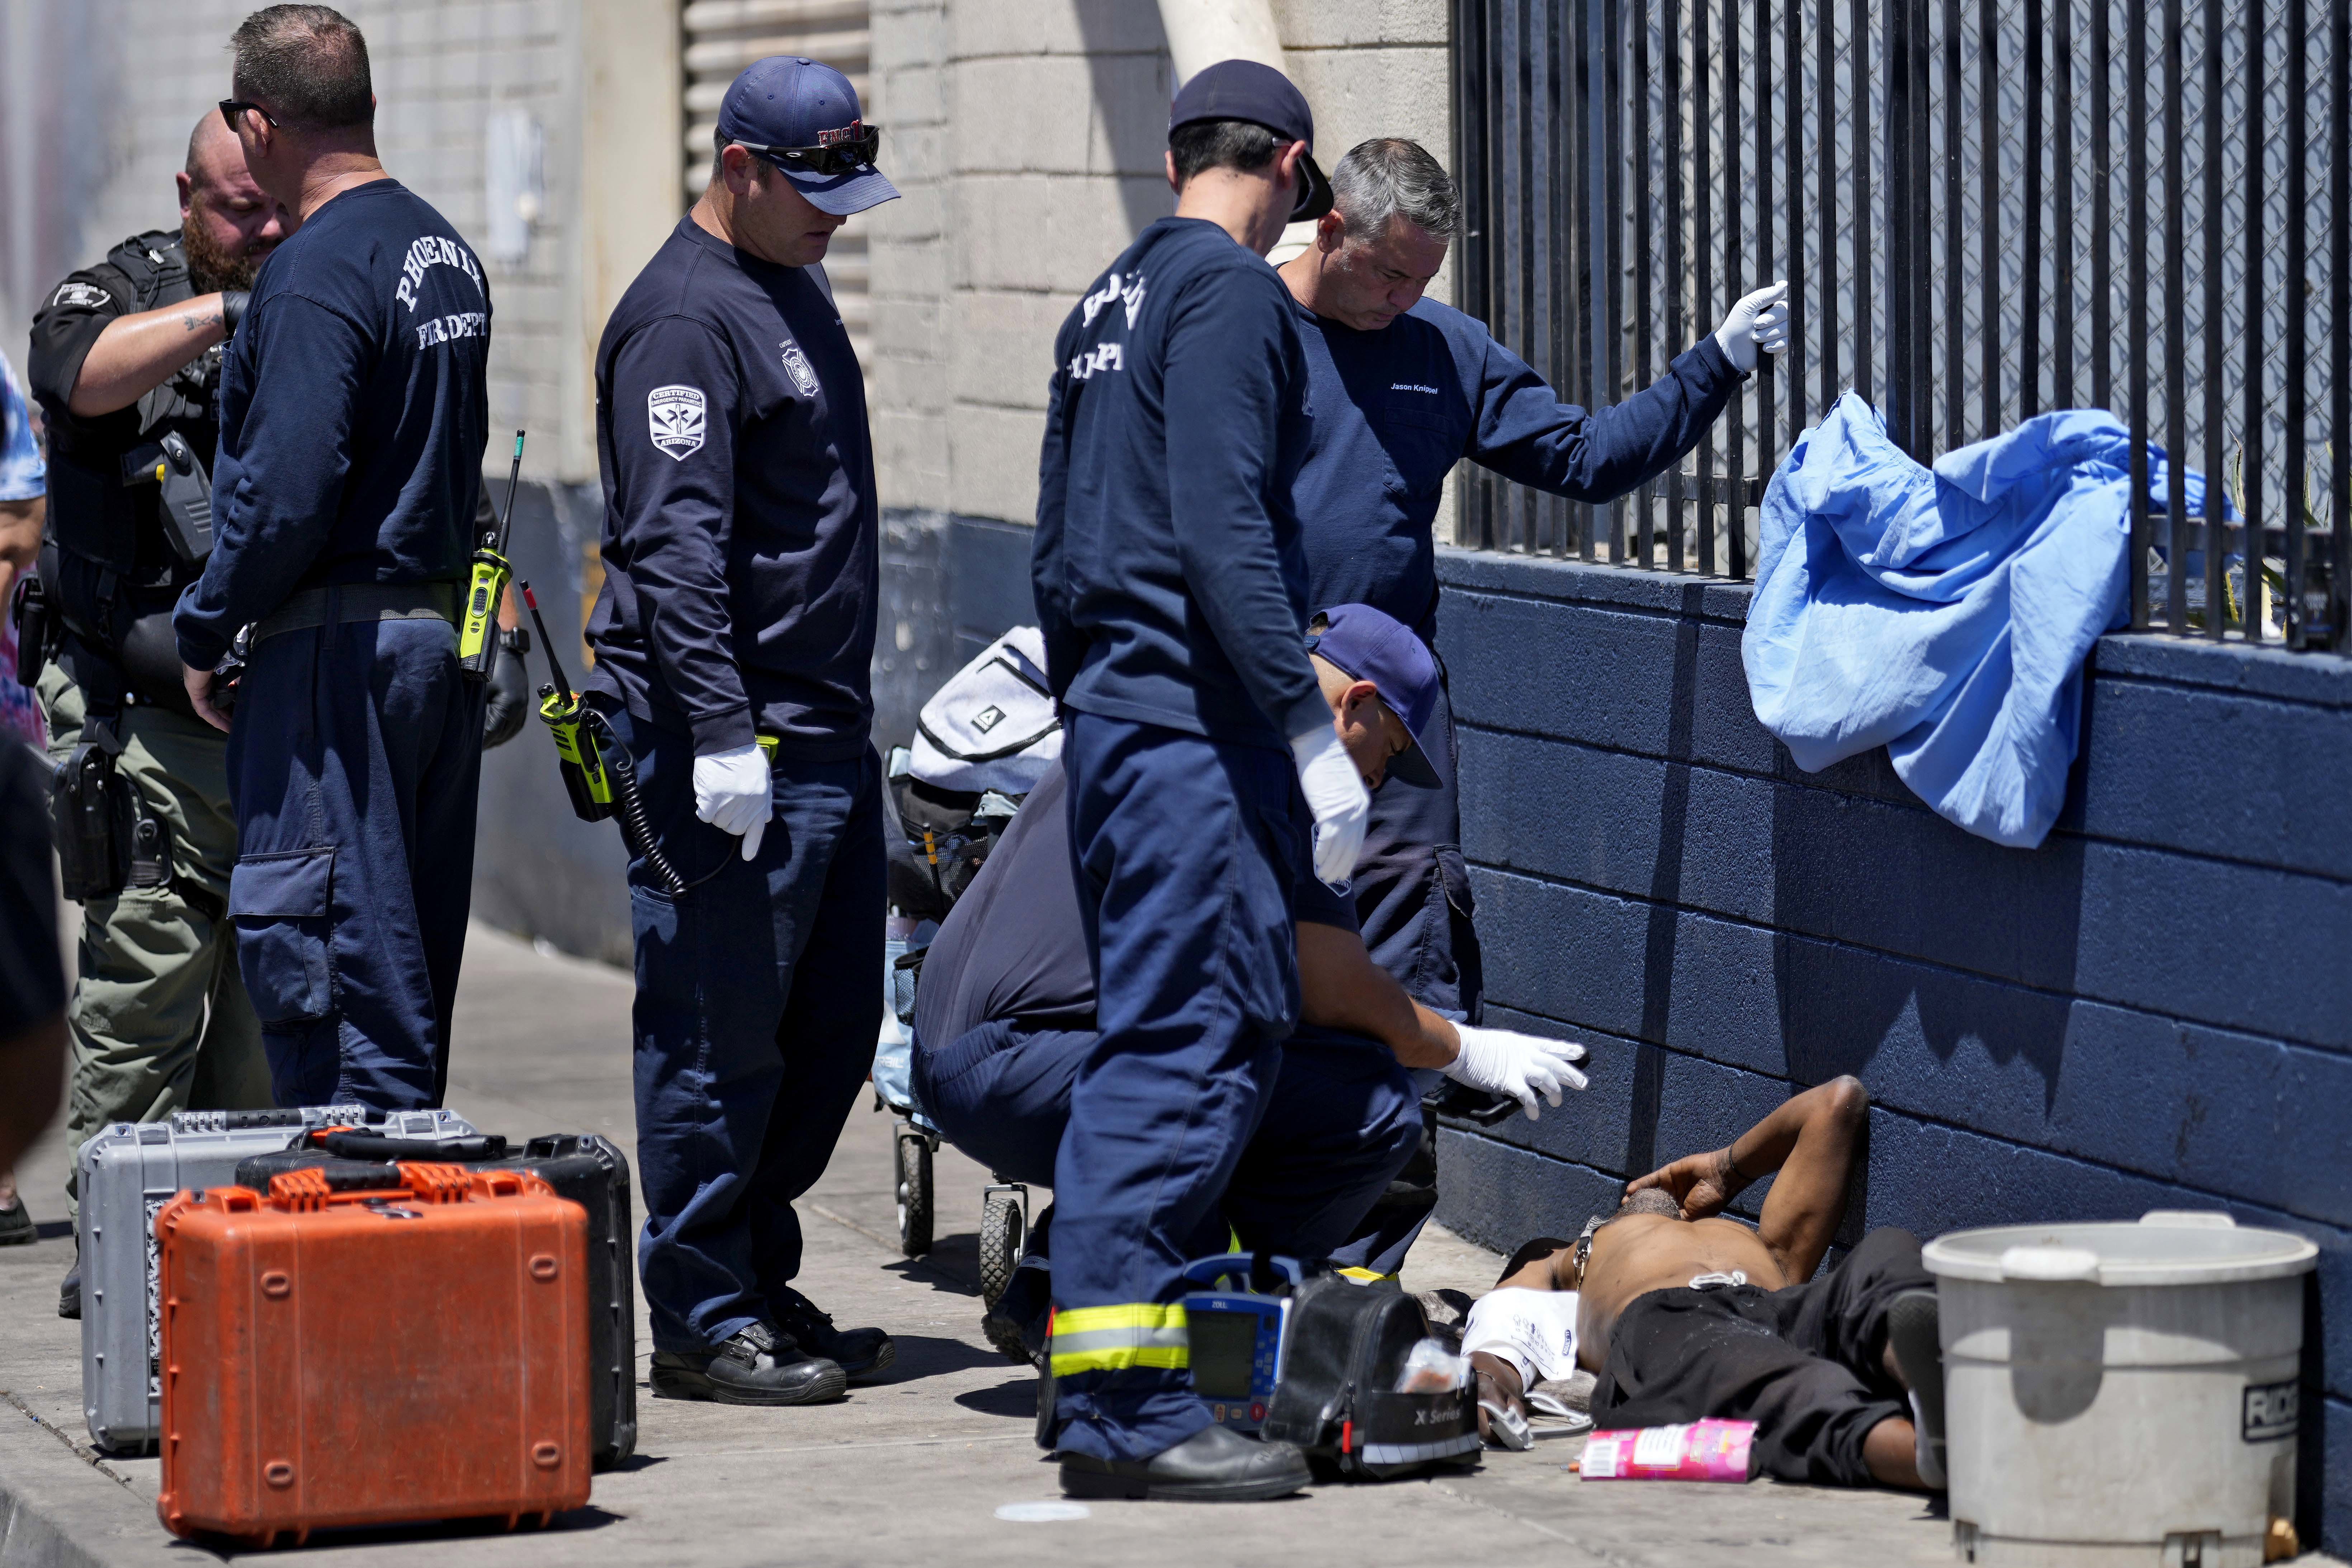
1002	1233
914	1193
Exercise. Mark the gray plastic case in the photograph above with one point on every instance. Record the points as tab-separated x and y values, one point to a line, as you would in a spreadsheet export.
128	1171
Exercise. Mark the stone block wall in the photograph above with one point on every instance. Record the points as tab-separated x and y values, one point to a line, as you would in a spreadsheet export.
2152	1010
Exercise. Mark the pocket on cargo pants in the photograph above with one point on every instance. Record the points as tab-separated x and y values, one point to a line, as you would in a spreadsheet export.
281	904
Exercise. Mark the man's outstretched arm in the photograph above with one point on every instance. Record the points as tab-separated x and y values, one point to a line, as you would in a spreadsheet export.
1812	1140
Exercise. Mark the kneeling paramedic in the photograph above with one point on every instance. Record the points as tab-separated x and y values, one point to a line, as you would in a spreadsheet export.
733	639
353	418
1005	1016
1172	593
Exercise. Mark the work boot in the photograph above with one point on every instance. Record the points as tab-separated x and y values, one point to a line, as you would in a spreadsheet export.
1215	1464
755	1366
860	1353
16	1226
1914	1332
69	1291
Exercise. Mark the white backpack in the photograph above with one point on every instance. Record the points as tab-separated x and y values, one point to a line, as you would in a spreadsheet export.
991	726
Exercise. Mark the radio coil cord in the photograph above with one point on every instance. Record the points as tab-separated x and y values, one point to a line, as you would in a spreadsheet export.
630	806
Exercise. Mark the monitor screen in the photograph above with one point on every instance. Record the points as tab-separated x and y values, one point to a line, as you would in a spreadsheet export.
1225	1353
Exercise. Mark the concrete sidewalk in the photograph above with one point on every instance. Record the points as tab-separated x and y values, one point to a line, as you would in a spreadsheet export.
910	1471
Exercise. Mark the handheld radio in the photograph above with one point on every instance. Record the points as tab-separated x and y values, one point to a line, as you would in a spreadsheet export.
477	631
577	757
1238	1336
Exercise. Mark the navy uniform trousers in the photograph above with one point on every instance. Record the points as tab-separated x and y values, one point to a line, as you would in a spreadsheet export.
1183	850
353	764
1412	900
754	1027
1342	1118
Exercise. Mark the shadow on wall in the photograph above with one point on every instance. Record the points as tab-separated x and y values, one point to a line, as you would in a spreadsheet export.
1115	35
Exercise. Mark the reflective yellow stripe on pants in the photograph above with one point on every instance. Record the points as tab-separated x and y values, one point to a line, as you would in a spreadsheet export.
1110	1339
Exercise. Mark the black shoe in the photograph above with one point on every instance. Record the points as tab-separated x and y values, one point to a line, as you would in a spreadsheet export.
757	1366
16	1226
1914	1330
70	1292
860	1353
1215	1464
1005	1334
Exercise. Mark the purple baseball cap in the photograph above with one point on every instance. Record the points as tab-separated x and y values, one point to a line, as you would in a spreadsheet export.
1371	645
802	115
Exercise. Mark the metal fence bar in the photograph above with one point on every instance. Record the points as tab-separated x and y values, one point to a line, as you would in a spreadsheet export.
2062	205
1560	287
1988	207
1645	366
2102	210
1825	199
1792	180
2251	340
1702	253
1955	263
1857	56
1901	419
1760	73
2176	308
2296	344
1669	100
2339	315
2030	251
1470	123
2217	604
2136	73
1735	434
1610	366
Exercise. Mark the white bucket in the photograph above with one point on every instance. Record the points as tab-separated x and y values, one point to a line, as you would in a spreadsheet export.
2120	1394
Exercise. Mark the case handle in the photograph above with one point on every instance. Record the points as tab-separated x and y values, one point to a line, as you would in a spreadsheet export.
1207	1270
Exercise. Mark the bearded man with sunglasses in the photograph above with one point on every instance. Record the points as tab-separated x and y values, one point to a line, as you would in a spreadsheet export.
733	638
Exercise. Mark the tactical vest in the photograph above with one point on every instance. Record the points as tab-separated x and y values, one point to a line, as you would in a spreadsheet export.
105	557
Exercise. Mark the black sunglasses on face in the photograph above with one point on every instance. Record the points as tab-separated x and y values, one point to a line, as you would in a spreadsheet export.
231	108
838	158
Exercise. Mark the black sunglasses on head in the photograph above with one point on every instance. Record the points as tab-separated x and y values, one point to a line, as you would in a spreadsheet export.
834	158
231	108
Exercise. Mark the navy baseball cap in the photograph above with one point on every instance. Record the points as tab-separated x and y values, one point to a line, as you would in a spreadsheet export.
1244	89
806	111
1373	647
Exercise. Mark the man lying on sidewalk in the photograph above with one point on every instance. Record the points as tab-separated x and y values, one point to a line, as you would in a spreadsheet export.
1685	1315
1004	1013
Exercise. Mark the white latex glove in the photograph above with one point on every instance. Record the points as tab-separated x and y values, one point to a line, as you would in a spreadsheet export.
1336	795
733	793
1519	1065
1760	321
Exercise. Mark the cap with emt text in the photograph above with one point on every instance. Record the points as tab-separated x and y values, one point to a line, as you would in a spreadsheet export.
1369	645
1244	89
791	103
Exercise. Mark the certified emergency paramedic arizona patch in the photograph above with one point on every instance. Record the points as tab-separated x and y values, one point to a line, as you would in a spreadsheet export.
675	414
796	366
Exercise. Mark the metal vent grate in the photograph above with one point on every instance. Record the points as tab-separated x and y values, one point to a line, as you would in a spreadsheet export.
723	36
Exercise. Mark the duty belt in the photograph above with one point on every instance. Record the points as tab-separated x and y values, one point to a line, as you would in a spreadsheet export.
362	602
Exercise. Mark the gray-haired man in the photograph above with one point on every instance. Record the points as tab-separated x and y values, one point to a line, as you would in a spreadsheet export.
1404	388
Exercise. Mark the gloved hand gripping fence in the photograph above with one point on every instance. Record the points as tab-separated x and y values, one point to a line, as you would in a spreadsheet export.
601	784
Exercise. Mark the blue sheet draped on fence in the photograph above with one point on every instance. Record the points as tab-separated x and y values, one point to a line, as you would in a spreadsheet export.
1944	614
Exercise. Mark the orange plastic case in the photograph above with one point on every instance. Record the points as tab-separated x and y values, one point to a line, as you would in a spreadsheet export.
373	1357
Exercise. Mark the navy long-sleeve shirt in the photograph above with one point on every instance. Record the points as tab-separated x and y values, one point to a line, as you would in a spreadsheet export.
1395	409
352	416
740	564
1169	580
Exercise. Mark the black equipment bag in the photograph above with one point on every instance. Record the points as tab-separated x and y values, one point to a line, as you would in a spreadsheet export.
935	841
1345	1353
586	1169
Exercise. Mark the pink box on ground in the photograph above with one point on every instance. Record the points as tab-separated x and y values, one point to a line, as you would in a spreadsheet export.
1700	1451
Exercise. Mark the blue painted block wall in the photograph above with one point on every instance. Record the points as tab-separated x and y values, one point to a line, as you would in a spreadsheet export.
2154	1009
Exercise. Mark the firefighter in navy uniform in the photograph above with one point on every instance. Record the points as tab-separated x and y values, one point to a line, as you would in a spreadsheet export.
734	639
125	356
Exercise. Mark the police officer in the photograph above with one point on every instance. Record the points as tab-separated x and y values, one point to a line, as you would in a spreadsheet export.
733	639
353	430
126	356
1172	593
1405	388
